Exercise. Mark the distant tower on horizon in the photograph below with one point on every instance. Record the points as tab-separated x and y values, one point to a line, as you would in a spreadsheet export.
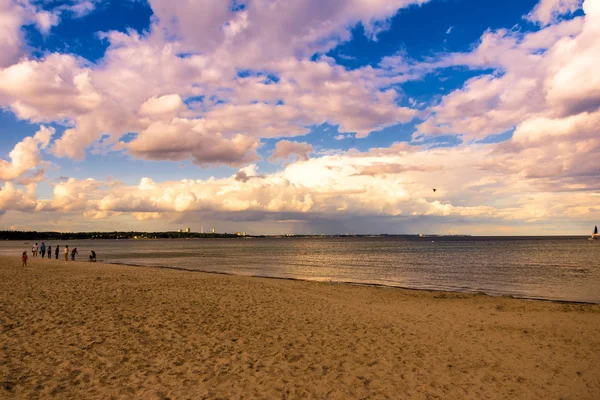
180	231
201	229
213	231
188	230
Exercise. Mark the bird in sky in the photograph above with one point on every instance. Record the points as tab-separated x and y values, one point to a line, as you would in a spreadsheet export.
434	190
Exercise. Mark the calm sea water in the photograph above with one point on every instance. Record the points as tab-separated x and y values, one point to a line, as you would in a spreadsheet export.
545	268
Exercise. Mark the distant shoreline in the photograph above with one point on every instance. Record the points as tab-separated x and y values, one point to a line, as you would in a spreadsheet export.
63	236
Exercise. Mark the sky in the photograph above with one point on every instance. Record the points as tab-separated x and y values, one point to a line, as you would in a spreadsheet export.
301	116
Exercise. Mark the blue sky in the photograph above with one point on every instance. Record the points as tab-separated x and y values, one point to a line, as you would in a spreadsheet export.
228	108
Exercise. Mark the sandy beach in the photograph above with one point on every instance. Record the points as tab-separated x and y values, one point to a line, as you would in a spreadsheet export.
98	331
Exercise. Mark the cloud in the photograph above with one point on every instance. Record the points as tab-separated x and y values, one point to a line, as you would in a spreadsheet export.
167	104
385	169
96	101
286	150
294	28
546	89
356	100
544	74
148	216
181	139
34	179
490	104
572	82
547	12
559	153
98	106
75	195
246	173
482	184
327	185
13	15
55	89
79	8
26	155
15	199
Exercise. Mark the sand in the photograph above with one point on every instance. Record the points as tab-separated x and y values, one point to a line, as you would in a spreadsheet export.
99	331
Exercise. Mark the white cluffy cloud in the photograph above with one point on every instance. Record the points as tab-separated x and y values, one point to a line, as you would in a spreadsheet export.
548	11
26	155
286	150
548	91
550	73
324	185
144	83
392	182
181	139
56	89
15	199
167	104
14	14
293	28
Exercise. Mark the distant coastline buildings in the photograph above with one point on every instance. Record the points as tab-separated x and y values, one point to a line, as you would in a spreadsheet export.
213	231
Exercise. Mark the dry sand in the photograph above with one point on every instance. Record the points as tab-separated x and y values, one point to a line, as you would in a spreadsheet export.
84	330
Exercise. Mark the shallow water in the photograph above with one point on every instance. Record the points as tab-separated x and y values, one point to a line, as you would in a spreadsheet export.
546	268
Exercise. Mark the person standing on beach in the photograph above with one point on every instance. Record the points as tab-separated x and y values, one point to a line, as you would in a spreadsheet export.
49	252
34	249
73	254
56	251
43	249
67	253
24	259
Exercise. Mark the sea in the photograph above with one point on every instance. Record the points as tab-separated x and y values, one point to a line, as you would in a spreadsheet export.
547	268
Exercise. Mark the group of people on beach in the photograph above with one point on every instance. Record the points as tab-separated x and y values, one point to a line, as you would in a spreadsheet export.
42	250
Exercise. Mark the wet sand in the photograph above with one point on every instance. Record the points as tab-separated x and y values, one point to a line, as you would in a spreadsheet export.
85	330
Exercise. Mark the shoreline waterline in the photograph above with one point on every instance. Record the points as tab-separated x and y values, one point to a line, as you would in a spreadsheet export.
366	284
